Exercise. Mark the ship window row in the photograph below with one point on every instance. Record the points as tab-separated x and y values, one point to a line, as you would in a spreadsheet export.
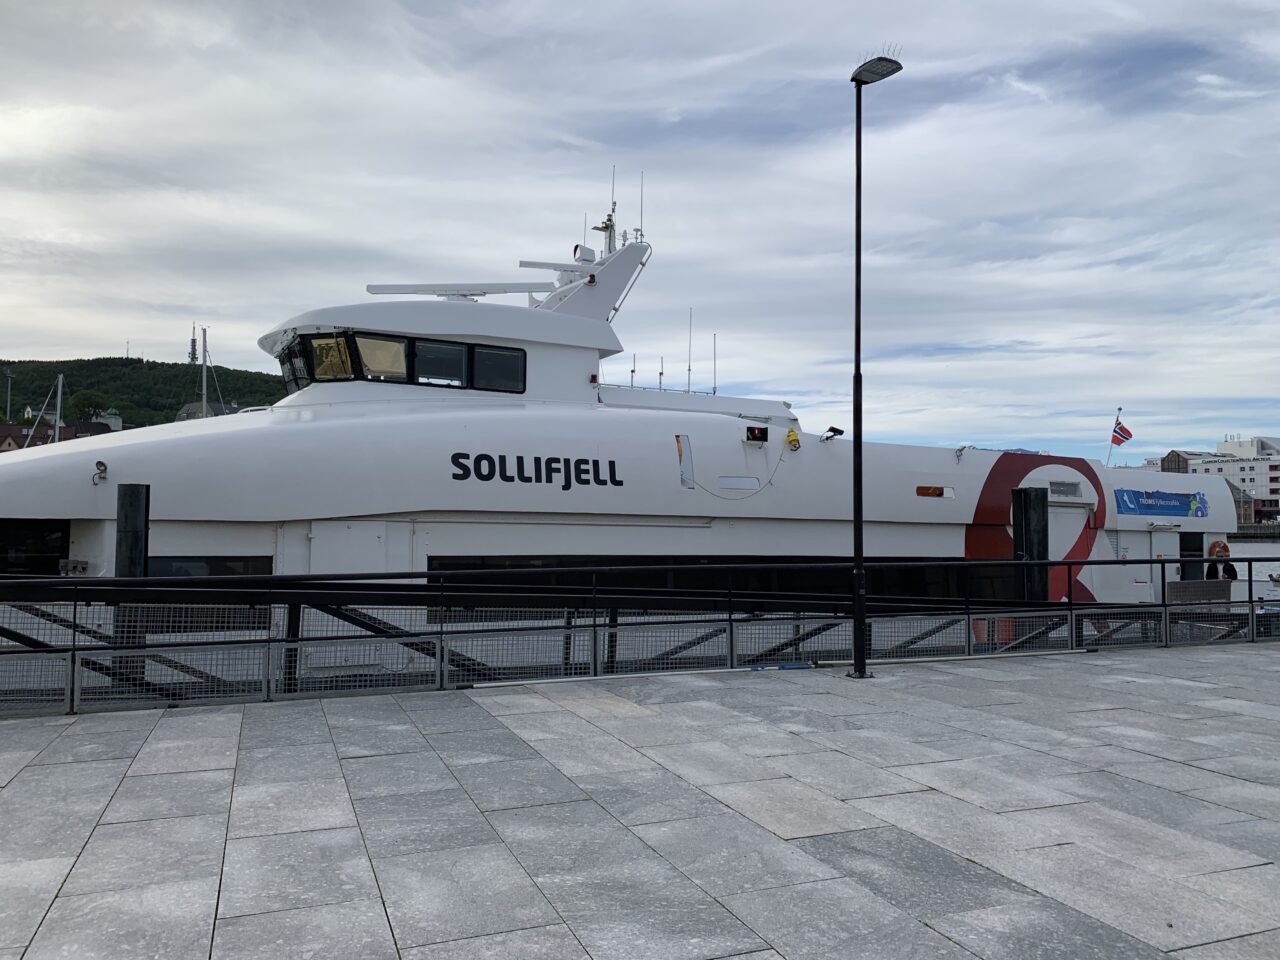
432	363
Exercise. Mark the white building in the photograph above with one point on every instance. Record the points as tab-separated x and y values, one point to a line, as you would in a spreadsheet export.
1253	465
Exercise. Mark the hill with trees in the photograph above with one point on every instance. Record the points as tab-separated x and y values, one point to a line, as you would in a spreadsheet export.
144	392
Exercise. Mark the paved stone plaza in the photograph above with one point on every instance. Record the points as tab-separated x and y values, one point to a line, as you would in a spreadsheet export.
1111	805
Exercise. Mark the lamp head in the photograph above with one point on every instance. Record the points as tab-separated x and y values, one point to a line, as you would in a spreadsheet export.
877	68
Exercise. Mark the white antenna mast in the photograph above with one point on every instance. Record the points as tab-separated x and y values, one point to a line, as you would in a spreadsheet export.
633	369
688	383
608	226
640	232
662	363
713	364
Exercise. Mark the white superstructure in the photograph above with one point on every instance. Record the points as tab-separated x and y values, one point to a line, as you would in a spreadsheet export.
450	430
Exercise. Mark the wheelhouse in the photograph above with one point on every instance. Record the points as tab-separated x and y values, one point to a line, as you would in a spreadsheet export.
387	358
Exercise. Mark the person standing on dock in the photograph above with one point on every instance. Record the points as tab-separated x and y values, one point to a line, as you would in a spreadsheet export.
1224	569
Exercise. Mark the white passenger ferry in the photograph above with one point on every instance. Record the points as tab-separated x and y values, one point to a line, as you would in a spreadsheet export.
442	431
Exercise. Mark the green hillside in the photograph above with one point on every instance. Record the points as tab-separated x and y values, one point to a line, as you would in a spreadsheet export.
144	391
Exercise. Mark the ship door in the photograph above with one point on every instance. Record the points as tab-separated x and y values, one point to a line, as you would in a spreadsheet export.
367	546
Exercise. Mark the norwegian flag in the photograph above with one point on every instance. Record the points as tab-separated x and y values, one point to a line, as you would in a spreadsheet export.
1120	433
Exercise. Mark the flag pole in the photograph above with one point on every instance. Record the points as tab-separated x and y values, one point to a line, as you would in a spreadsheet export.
1111	445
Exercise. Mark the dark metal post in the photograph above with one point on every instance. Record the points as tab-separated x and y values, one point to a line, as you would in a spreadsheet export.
289	655
566	653
1252	621
133	516
133	521
1071	608
871	71
595	632
1164	601
732	659
859	568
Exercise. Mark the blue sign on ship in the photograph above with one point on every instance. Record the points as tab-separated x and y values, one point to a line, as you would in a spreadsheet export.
1157	503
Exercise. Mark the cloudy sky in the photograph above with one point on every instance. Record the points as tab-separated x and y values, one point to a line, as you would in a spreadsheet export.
1070	206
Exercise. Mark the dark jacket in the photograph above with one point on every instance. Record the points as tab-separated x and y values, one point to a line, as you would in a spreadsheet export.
1228	571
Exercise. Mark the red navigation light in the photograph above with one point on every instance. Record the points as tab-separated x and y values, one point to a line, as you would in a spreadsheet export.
757	434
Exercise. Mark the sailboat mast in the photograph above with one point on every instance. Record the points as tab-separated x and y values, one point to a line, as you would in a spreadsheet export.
57	414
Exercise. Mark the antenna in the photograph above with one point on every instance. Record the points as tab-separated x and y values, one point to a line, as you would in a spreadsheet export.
204	372
613	189
662	362
633	369
640	232
713	365
191	353
688	383
584	228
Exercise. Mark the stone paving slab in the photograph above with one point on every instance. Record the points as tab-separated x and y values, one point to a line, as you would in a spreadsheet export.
916	876
1041	929
539	943
336	931
1123	804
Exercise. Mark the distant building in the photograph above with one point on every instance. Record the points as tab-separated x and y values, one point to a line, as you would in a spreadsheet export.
1257	476
1251	466
16	436
1178	461
1244	504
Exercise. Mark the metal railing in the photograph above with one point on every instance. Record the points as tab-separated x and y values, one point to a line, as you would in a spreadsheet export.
86	644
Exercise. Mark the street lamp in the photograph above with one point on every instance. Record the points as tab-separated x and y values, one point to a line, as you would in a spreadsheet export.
877	68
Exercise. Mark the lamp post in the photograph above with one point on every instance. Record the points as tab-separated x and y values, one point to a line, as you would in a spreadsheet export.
875	69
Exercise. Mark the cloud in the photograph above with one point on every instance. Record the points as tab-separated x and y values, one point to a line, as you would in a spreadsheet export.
1067	208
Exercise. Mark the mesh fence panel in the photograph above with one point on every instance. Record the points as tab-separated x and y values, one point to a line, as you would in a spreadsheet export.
353	666
1012	632
1209	623
174	674
518	654
34	683
653	641
778	638
42	624
352	621
192	623
1138	626
917	635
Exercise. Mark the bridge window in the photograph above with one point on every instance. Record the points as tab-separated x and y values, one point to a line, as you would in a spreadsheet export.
388	359
330	359
383	358
440	364
498	368
293	364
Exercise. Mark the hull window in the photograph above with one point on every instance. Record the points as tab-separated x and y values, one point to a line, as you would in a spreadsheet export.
209	566
33	547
